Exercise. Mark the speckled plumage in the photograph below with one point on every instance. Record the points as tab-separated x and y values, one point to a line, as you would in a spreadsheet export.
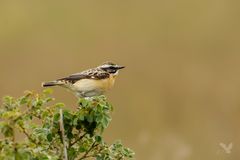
94	73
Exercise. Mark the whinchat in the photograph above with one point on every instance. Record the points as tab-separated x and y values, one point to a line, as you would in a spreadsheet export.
91	82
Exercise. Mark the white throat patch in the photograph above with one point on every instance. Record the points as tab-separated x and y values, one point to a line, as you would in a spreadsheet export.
116	73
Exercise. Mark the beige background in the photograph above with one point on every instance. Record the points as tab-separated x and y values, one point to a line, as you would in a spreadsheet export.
179	96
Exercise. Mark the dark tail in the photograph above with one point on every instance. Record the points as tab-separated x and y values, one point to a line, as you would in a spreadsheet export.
50	84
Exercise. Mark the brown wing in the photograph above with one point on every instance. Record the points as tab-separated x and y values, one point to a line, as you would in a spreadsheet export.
95	73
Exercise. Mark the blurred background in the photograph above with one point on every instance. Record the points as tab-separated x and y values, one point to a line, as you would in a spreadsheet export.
178	98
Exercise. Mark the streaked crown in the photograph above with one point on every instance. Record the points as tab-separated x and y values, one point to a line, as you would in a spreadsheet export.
111	67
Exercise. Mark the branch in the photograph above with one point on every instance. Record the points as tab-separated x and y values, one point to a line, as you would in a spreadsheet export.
14	143
88	151
26	134
78	139
63	136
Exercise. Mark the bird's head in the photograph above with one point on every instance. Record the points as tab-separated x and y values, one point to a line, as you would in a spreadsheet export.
111	68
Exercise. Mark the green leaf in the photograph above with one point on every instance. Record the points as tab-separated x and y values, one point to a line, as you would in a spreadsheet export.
90	118
23	100
67	115
56	117
11	114
59	105
72	153
7	130
105	122
98	139
69	135
83	102
22	154
82	148
7	100
75	121
48	91
45	114
81	117
49	99
99	118
49	137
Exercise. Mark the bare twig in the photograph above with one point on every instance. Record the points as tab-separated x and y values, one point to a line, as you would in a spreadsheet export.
92	155
88	151
63	135
14	143
26	134
78	139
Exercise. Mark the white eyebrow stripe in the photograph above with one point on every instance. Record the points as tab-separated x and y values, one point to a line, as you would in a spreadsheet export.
106	66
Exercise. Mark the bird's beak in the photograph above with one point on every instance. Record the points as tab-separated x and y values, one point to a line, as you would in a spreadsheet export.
120	67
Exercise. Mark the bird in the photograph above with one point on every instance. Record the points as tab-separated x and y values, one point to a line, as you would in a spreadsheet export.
91	82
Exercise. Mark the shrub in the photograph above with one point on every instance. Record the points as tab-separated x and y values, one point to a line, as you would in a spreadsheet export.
52	132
